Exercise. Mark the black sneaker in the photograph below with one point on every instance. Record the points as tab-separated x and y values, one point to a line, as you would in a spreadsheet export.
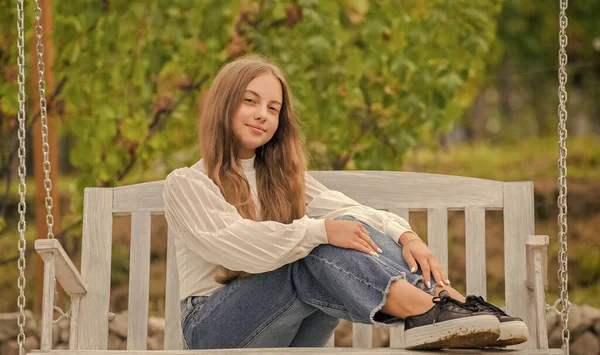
450	324
512	329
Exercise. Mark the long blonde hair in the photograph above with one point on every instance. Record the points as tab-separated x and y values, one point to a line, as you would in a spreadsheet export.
280	164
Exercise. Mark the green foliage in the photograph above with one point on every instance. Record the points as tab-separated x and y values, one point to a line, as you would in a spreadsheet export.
370	78
529	40
529	32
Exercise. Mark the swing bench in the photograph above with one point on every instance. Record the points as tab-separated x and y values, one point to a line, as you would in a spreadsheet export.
398	192
525	254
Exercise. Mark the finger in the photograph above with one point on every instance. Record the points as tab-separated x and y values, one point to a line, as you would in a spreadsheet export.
426	272
362	247
366	236
436	271
366	244
445	278
412	263
439	279
362	227
368	239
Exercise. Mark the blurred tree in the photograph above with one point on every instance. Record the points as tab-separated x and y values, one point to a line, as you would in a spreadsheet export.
528	37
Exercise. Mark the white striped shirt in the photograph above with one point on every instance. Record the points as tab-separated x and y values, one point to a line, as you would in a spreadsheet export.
210	232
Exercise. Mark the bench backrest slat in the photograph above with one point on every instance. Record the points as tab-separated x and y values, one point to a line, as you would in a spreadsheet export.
475	251
518	224
437	234
92	321
139	281
173	332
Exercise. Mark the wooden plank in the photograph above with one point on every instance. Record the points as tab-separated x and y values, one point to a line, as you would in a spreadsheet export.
537	242
397	333
92	332
537	251
362	335
417	191
74	320
47	302
437	234
540	301
173	331
145	196
139	281
308	351
518	224
475	251
66	273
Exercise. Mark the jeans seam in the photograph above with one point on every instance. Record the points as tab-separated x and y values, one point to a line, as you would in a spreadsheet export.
345	271
268	322
196	321
314	302
389	267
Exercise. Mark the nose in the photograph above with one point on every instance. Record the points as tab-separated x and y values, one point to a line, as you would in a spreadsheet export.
261	113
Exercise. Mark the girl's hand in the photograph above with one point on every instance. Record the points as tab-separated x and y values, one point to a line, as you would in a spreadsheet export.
350	235
417	252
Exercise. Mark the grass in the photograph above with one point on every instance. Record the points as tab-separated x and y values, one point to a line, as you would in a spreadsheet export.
528	160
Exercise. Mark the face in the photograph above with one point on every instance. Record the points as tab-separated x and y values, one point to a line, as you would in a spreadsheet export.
257	116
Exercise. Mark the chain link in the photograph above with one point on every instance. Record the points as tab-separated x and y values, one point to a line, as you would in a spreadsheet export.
37	14
563	276
22	207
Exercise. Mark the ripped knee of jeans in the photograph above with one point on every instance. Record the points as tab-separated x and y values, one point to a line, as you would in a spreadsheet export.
420	284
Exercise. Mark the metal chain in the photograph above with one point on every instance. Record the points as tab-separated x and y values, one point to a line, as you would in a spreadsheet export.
563	276
22	226
37	14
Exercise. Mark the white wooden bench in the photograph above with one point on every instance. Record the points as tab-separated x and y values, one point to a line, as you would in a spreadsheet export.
398	192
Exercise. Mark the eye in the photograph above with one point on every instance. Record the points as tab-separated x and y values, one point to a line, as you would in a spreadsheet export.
249	100
274	109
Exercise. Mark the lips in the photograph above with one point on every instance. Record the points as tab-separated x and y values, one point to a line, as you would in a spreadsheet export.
256	128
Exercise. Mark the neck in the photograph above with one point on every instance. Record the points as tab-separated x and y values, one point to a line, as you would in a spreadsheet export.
247	164
247	154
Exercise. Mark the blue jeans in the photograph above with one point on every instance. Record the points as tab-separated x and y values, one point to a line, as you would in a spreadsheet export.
299	304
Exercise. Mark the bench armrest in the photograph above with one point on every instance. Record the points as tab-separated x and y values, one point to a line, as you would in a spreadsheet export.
66	272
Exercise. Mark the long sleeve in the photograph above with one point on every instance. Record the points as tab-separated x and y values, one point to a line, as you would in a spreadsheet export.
201	217
329	204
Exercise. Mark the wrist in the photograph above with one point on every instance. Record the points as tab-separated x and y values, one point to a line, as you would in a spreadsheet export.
406	236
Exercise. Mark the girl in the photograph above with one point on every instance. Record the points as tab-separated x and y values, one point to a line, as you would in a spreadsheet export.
269	257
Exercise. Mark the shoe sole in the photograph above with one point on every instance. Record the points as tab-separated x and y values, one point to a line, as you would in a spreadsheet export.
512	333
469	332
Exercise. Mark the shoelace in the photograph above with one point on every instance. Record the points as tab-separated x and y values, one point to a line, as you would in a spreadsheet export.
453	304
483	305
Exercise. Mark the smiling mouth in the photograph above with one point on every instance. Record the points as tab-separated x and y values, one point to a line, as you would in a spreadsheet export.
256	128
